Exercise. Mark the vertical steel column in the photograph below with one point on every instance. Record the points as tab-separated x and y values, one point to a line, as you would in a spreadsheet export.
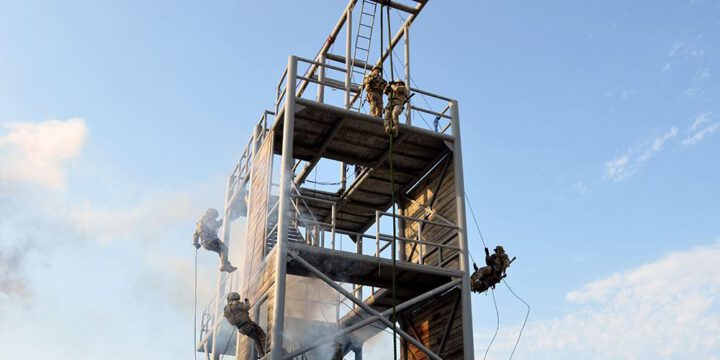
332	222
401	226
406	30
348	55
286	177
468	351
321	79
358	291
348	81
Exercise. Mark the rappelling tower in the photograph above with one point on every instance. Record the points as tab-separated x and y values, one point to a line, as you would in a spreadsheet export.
317	262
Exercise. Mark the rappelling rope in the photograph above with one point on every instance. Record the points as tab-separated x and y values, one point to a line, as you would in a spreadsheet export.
472	212
394	249
524	321
392	192
497	324
195	308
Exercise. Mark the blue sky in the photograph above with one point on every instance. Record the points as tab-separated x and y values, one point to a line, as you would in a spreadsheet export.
591	144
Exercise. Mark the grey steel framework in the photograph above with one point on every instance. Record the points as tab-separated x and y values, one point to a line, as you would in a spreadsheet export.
325	217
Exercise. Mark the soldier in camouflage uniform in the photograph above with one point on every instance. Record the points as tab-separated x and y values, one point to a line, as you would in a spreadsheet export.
237	313
398	95
487	276
206	232
374	84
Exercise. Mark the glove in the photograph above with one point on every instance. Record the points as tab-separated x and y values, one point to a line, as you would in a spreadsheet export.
487	252
475	266
196	245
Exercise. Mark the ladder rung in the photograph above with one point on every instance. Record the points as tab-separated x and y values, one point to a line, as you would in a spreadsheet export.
364	37
367	26
364	49
369	14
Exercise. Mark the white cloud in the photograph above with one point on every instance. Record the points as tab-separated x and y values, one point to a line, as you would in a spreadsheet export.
702	75
699	120
666	309
692	93
698	136
580	187
36	152
698	133
621	92
628	163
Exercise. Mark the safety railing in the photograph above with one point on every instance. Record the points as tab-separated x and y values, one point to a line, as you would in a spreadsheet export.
322	75
210	313
241	172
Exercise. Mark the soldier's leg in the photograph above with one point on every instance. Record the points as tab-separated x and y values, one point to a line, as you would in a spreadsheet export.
222	249
397	110
388	120
259	337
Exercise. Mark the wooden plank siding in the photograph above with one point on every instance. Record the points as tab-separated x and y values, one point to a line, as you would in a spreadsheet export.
430	320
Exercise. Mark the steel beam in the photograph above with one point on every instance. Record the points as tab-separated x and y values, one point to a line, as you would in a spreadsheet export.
468	351
328	43
286	178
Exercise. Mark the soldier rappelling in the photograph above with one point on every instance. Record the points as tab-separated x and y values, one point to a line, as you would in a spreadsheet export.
398	95
374	84
206	236
494	271
237	313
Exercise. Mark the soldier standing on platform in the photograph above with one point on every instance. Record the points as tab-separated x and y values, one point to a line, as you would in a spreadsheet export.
397	97
374	84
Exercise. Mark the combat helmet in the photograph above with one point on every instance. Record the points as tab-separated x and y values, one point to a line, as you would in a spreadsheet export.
233	296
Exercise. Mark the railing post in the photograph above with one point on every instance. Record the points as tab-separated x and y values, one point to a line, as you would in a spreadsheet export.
421	251
321	79
332	221
286	177
462	232
406	32
377	233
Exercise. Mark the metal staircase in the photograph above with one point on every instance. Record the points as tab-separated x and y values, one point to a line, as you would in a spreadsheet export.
363	42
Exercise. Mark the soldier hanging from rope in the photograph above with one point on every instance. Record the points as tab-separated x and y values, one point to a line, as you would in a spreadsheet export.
398	95
374	84
206	232
237	313
494	271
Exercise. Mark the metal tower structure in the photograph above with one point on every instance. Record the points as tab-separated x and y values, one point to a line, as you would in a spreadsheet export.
317	263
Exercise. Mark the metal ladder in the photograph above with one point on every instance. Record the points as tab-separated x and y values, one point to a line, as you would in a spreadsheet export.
364	32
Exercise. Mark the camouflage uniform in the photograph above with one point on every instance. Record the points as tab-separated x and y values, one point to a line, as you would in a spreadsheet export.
374	85
206	231
237	314
497	264
397	97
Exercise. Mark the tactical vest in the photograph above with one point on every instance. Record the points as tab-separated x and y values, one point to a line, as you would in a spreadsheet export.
398	95
236	313
374	83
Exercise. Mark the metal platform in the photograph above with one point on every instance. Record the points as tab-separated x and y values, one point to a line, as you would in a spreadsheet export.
326	131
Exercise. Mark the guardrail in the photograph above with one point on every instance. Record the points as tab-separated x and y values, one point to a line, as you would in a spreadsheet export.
323	77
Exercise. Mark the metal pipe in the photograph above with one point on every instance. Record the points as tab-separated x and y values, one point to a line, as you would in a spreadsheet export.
332	231
427	93
320	63
377	233
420	245
376	314
321	78
330	40
434	113
406	31
423	221
286	177
341	59
468	351
348	54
